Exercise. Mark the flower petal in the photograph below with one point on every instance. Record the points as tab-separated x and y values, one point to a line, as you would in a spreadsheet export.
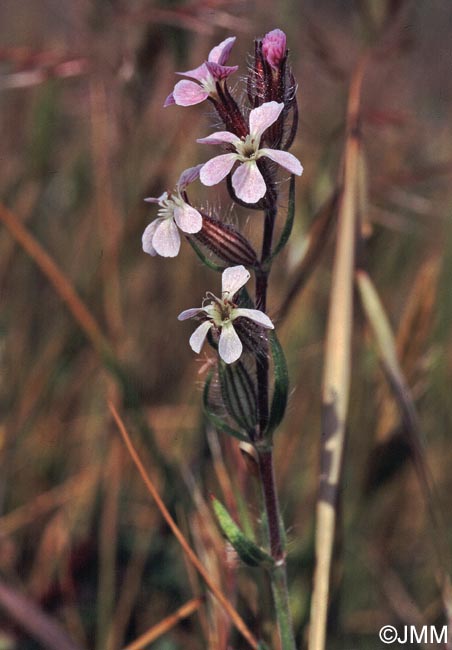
153	199
188	176
220	53
230	346
188	93
283	158
220	72
248	182
200	73
232	279
148	236
219	138
187	218
169	101
166	240
255	315
190	313
214	170
263	117
199	336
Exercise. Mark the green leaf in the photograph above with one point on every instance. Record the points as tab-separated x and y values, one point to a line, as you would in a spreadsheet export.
281	386
248	551
215	420
287	230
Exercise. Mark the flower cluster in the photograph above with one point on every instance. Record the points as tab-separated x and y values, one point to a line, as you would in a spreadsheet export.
255	140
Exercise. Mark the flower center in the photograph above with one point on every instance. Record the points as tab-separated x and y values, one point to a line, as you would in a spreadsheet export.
166	210
167	206
220	310
208	83
247	148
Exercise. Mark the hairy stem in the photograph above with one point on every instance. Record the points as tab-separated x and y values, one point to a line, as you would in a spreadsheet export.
278	576
262	365
271	504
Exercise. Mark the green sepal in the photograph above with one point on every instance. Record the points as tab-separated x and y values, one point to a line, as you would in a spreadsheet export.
239	394
214	419
287	230
281	385
248	551
204	259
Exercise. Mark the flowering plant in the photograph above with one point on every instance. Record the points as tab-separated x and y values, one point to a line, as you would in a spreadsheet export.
248	362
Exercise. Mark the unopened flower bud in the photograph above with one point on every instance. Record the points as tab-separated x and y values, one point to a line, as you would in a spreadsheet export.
271	80
274	47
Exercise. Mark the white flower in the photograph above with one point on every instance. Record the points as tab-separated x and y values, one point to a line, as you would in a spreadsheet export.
220	314
162	235
247	180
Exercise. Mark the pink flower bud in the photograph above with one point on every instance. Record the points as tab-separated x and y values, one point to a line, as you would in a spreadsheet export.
274	47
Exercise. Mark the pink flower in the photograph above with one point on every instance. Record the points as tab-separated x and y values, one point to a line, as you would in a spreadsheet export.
274	47
162	237
247	180
187	93
220	314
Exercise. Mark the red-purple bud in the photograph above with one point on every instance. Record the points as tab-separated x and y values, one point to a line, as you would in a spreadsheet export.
274	47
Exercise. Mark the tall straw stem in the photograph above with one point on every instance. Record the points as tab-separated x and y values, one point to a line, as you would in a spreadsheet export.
336	377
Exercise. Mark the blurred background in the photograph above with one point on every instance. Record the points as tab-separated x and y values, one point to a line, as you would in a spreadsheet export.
84	138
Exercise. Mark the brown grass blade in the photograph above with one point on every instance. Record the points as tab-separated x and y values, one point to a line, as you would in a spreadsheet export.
229	609
166	625
336	377
108	542
25	613
109	220
66	291
386	344
61	284
47	501
412	345
130	588
418	318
